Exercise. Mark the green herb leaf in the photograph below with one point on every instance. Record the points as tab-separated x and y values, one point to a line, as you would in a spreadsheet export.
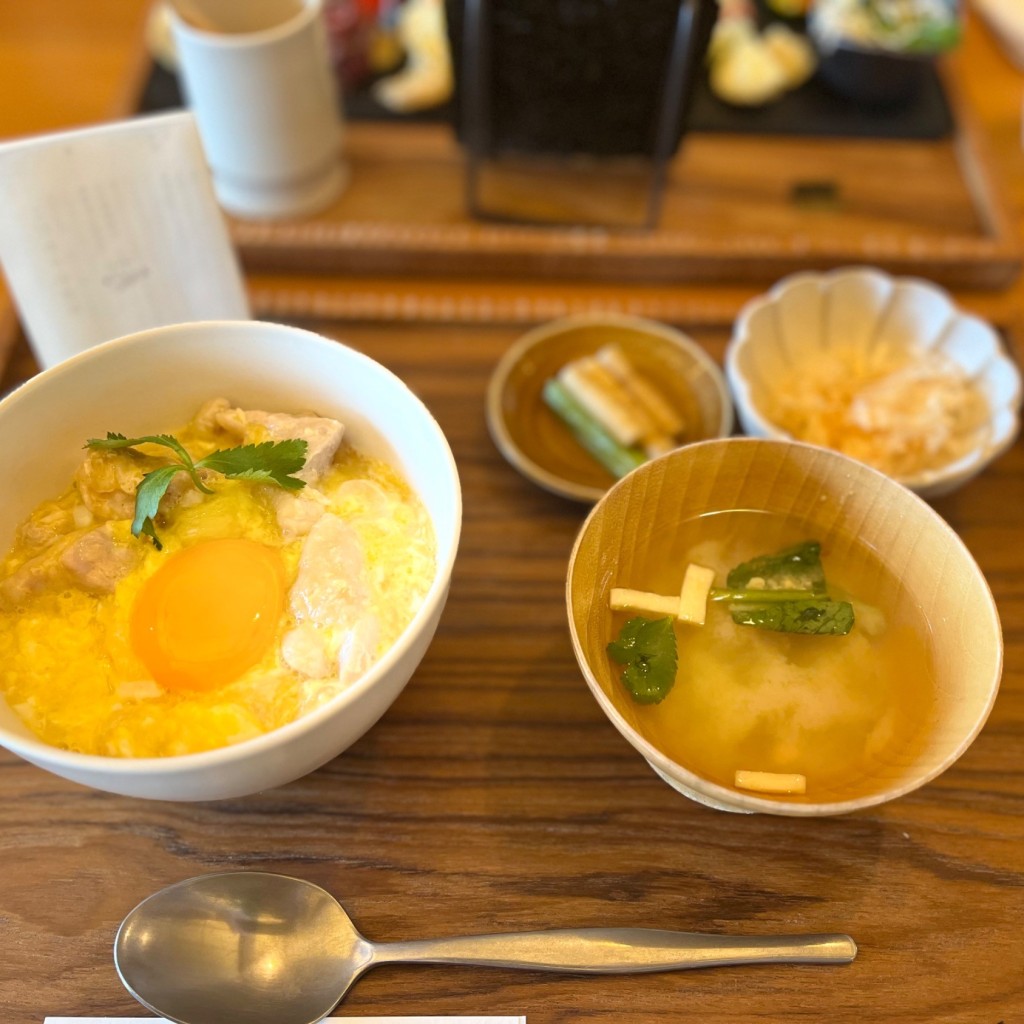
794	568
114	441
147	500
647	647
818	617
273	461
270	460
149	530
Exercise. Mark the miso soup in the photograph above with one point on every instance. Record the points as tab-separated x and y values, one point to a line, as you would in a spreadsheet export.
848	712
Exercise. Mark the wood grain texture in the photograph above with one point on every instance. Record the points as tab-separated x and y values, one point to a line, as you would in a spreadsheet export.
495	795
729	215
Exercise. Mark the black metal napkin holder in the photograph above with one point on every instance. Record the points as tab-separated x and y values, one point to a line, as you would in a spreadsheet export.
571	110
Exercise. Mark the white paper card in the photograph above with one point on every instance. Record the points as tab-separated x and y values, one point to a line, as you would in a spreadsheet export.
113	229
328	1020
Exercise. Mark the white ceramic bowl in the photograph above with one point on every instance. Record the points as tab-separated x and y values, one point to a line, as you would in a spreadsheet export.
155	380
810	313
843	503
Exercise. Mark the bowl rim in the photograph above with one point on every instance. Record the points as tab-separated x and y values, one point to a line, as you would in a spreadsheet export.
539	335
929	482
34	749
723	797
827	43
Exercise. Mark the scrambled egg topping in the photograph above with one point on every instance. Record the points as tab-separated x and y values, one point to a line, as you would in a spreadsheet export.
354	556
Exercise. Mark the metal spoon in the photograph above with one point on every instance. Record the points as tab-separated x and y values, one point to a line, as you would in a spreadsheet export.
258	948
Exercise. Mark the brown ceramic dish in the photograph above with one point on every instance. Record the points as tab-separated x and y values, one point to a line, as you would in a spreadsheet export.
536	442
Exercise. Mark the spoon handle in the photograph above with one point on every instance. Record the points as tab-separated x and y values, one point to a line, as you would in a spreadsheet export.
618	950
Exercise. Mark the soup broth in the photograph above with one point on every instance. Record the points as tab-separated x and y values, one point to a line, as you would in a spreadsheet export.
848	712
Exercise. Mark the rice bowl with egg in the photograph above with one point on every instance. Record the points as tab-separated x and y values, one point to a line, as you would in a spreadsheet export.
261	366
256	605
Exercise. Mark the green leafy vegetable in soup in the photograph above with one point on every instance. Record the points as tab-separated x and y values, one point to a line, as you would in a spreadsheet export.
786	592
811	617
647	647
794	568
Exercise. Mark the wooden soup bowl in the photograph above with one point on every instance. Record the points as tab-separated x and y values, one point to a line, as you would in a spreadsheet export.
837	499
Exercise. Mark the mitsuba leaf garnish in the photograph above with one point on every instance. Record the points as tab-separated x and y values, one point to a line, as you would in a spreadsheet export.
793	568
816	616
758	587
270	461
647	648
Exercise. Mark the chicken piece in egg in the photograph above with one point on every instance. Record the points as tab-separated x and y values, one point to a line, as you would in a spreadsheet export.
260	604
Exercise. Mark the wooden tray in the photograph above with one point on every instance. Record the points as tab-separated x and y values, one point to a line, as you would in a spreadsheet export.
400	246
736	209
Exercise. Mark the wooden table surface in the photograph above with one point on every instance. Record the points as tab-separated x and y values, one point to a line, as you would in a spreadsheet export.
494	795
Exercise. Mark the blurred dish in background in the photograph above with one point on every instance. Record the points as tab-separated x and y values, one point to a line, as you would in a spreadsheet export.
896	26
396	49
349	25
159	40
878	51
425	80
750	67
811	110
393	54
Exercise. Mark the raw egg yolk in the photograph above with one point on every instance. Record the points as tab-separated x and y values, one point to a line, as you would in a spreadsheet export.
209	613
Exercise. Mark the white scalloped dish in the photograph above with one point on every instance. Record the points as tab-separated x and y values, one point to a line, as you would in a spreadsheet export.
884	369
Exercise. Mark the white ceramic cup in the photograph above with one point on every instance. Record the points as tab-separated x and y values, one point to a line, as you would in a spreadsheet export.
258	77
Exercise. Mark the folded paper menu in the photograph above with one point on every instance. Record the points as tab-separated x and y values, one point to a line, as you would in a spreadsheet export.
113	229
327	1020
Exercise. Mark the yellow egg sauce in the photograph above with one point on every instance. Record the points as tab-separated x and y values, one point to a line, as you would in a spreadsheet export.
185	654
848	712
